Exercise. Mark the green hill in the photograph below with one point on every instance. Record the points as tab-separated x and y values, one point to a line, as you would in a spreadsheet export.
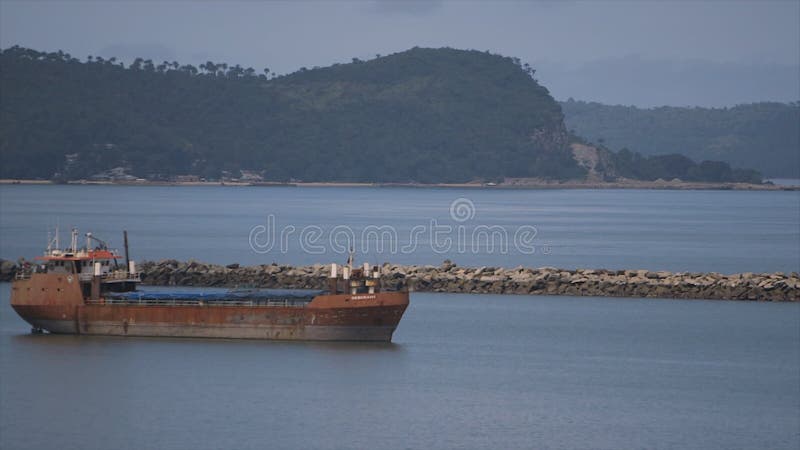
763	136
425	115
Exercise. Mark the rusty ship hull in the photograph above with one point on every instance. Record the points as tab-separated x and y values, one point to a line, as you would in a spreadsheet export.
87	291
54	303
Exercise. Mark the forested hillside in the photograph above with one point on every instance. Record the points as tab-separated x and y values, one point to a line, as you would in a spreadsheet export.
424	115
763	136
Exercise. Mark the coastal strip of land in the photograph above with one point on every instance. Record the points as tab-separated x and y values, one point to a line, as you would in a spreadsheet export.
520	183
448	277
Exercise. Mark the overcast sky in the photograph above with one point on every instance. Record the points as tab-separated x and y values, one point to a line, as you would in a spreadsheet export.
591	50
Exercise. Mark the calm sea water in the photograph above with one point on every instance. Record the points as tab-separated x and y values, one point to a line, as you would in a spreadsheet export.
721	231
786	181
464	371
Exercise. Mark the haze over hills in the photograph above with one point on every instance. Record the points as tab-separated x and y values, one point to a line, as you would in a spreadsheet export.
764	136
652	83
422	115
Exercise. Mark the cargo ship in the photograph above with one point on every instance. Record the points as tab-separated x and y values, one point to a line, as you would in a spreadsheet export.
93	291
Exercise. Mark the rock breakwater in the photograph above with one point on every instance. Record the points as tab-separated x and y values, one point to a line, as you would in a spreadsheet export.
449	277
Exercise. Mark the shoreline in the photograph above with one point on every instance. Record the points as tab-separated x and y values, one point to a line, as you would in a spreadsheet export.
515	184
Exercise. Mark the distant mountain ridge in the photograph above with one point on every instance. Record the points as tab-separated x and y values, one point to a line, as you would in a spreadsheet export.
764	136
653	83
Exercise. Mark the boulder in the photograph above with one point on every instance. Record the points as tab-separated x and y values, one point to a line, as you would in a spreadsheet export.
7	270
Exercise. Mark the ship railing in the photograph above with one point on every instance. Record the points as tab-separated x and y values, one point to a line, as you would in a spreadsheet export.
23	275
122	275
286	303
112	276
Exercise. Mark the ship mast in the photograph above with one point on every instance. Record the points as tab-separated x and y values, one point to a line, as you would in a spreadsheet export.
74	243
350	259
52	242
127	258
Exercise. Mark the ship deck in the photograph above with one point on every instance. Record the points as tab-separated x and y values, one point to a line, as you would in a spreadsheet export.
149	296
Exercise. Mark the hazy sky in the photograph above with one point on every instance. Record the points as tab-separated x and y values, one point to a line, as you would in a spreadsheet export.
569	42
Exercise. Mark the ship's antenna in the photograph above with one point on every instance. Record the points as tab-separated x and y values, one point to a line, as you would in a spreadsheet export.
58	242
350	259
74	243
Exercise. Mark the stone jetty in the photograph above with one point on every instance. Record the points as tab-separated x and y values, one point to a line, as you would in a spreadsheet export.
448	277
